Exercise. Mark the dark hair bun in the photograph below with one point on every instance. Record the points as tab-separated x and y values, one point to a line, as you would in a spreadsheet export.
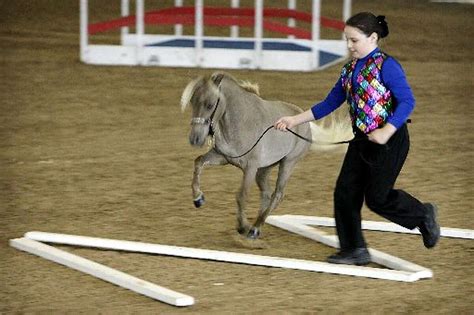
383	26
368	23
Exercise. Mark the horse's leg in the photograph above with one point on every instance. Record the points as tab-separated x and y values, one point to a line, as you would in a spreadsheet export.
210	158
264	186
284	172
249	176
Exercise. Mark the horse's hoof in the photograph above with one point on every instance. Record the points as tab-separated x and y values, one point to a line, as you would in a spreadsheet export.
199	201
253	233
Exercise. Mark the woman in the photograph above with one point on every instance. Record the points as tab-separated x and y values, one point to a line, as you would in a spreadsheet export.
380	102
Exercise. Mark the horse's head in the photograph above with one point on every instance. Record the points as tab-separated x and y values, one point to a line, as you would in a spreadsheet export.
204	96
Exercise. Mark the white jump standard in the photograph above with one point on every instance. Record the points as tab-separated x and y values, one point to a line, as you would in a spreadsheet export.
298	50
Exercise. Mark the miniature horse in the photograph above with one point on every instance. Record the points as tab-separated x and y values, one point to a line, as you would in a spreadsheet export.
234	115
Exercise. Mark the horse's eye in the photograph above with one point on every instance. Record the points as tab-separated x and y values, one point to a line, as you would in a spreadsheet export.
210	106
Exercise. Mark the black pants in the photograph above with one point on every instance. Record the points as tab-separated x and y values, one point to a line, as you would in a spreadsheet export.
369	172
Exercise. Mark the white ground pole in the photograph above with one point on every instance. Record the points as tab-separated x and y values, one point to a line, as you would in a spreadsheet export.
102	272
222	256
377	257
199	32
258	33
315	32
234	29
378	226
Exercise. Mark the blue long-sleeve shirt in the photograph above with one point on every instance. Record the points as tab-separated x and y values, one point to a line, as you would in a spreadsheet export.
394	79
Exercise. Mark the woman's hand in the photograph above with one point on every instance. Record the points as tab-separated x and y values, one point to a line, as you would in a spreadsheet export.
289	122
285	122
382	135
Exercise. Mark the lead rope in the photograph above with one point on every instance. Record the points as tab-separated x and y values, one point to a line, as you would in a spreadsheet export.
299	136
256	142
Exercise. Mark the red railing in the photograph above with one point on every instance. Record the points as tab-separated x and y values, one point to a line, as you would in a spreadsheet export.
214	16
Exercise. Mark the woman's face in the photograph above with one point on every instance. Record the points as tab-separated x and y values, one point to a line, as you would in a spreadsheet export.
359	44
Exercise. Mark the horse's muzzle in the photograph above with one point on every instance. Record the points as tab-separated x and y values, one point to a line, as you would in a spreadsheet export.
197	136
200	128
196	141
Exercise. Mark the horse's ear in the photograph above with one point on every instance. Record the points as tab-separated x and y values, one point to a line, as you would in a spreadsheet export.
217	78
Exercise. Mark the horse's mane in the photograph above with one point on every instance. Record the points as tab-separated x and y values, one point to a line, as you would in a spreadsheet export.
246	85
216	77
188	92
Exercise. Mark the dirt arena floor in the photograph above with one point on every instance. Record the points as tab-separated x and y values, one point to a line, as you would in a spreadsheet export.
102	151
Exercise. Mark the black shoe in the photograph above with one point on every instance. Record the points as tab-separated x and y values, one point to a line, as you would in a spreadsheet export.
358	256
429	228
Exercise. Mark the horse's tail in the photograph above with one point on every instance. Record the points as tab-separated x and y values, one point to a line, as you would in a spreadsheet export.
334	128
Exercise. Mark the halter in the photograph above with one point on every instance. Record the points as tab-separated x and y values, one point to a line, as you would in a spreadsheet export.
205	121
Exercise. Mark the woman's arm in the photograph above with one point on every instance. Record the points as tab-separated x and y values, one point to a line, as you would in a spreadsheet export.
334	99
395	80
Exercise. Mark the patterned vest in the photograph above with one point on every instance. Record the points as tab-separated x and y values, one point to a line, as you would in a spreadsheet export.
371	104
